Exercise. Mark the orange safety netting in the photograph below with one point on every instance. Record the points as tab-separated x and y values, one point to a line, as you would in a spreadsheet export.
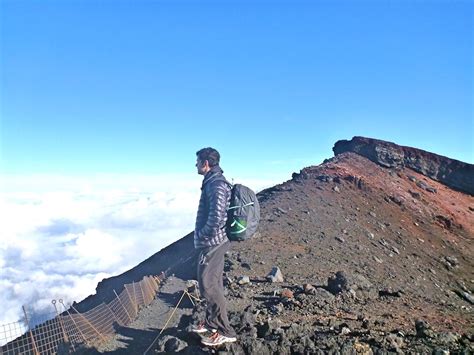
71	328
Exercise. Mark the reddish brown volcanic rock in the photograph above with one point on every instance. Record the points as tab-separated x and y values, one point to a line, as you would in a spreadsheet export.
454	173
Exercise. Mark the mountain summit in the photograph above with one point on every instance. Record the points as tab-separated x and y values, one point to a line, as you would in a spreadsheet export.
453	173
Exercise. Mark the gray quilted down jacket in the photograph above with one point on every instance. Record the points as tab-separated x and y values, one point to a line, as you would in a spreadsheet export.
212	212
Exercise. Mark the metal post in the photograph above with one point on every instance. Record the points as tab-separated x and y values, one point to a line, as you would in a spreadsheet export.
135	296
92	326
164	327
128	315
147	292
35	349
189	296
153	283
131	300
113	314
63	329
157	281
141	290
149	284
74	322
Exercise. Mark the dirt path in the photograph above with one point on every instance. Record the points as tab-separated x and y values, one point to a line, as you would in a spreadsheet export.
140	334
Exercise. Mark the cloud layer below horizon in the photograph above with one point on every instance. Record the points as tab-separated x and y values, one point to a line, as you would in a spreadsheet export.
61	236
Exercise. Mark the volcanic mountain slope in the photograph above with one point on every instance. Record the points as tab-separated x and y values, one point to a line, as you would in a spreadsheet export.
352	215
400	242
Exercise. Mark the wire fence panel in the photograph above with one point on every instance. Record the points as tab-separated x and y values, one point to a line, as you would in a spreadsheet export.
120	312
11	331
89	333
101	319
130	290
127	299
139	296
149	289
48	336
73	334
21	345
74	328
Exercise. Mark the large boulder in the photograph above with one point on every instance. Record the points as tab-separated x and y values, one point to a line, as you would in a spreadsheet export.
355	284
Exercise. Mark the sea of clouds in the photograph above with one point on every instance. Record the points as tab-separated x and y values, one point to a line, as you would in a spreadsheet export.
60	236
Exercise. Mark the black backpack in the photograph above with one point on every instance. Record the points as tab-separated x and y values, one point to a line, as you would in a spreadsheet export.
243	213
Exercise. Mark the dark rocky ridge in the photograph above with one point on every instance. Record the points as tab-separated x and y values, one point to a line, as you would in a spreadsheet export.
366	250
453	173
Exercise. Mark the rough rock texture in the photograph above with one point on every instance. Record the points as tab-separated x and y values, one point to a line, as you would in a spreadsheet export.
453	173
357	285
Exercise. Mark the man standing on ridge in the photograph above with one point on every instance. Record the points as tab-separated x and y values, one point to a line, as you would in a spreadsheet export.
211	239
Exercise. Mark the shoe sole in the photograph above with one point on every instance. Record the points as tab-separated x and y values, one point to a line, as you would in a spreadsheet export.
232	340
195	331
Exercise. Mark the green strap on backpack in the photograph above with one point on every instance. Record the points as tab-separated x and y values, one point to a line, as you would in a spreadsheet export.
243	214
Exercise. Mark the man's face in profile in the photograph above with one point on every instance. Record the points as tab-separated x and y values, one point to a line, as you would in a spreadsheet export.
202	166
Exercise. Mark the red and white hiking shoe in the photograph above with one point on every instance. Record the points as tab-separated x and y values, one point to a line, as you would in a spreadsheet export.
201	328
217	339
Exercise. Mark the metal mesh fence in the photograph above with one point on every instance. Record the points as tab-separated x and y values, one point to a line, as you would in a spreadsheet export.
11	331
47	337
17	344
72	328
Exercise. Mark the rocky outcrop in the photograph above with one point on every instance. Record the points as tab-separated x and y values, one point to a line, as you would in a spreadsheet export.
453	173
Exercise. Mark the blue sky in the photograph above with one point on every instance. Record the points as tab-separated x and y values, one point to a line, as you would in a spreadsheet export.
104	103
139	86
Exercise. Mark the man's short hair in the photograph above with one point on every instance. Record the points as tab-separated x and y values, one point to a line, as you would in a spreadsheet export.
209	154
